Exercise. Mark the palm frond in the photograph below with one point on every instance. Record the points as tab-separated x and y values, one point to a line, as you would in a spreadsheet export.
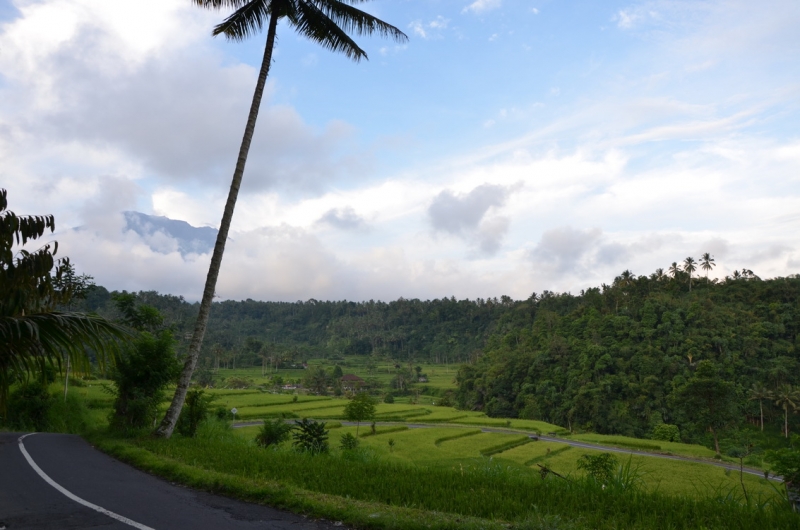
246	21
220	4
28	343
313	23
353	20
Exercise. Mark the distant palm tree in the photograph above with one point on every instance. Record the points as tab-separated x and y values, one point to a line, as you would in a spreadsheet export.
326	22
736	275
689	266
758	392
659	274
674	270
707	263
786	397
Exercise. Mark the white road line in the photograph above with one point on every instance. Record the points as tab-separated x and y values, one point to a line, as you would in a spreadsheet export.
71	495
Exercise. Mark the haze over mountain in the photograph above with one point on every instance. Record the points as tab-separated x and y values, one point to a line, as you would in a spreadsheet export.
189	239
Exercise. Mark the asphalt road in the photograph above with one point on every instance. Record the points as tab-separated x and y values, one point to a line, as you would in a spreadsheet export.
87	476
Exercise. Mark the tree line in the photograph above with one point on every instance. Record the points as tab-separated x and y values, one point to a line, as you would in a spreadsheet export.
665	349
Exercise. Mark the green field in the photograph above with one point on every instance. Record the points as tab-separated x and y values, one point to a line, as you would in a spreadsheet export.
431	447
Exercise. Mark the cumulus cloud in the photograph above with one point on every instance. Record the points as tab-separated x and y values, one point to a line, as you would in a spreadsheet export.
177	111
465	215
481	6
343	218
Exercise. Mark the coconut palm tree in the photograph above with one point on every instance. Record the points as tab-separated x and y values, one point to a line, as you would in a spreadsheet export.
786	397
326	22
674	270
707	263
758	392
689	265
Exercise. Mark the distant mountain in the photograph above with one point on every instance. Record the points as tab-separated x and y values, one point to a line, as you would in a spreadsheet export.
190	239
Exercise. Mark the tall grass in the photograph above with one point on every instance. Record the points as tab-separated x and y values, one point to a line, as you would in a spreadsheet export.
486	490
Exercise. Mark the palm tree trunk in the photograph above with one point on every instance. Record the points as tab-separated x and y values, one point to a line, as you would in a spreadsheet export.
786	421
171	417
716	440
761	406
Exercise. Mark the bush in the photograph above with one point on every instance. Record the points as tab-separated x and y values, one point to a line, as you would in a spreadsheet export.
388	398
238	383
195	410
141	374
29	407
273	432
310	436
70	415
600	467
666	433
348	442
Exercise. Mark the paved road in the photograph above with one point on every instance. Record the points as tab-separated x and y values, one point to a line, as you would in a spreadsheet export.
28	501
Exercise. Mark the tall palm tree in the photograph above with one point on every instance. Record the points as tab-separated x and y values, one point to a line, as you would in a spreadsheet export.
707	263
758	392
689	266
674	270
786	397
326	22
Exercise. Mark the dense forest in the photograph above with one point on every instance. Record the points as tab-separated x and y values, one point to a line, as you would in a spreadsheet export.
441	331
618	359
645	351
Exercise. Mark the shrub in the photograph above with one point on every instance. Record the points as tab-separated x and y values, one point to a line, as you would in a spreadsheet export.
29	406
310	436
238	383
666	433
195	410
388	398
599	467
141	374
348	442
273	432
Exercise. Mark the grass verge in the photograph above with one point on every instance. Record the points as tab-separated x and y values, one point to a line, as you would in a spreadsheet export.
382	494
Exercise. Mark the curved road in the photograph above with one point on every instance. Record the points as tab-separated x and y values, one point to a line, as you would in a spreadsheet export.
77	486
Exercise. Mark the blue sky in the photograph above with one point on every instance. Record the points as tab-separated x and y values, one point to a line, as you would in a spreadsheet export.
507	147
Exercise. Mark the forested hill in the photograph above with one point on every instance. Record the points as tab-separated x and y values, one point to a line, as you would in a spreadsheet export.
444	331
614	359
643	351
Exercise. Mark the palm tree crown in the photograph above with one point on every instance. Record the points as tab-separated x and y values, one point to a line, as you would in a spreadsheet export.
786	397
689	266
707	263
758	392
326	22
674	270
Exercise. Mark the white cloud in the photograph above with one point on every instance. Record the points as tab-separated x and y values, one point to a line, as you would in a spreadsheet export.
482	6
430	30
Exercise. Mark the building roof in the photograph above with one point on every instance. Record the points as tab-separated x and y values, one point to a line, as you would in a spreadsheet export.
351	377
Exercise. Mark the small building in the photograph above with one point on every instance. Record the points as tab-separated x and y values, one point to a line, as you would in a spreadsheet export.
351	383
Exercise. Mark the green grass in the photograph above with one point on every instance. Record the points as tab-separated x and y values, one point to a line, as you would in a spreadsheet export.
681	449
485	493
